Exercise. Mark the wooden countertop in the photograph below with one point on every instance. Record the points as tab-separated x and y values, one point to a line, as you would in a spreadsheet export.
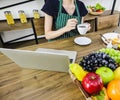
28	84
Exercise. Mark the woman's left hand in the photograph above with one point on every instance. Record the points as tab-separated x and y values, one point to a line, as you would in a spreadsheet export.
89	26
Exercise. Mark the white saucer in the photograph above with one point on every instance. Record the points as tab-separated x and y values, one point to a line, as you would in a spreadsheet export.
82	40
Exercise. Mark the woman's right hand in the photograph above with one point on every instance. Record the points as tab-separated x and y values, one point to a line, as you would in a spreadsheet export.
71	24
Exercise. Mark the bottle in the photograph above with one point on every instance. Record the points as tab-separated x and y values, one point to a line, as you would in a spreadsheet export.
36	14
22	15
9	17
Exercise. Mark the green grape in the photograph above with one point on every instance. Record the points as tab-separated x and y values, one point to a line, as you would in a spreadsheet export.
115	54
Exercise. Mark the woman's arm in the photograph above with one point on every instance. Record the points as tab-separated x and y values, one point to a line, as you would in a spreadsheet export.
50	34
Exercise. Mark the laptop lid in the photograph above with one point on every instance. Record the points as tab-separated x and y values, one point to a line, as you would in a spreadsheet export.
71	54
38	60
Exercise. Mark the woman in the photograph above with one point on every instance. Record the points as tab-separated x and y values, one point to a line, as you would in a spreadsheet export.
61	18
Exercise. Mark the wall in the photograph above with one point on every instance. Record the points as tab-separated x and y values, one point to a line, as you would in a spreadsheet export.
37	4
27	7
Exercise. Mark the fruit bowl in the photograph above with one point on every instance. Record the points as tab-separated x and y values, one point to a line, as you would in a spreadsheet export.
100	63
95	13
98	9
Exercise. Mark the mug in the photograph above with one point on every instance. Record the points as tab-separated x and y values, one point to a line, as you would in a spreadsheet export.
83	28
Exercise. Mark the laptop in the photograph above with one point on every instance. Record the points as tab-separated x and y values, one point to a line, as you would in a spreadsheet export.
43	59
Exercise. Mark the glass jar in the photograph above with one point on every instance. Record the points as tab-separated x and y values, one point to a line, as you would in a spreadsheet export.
9	17
36	14
22	15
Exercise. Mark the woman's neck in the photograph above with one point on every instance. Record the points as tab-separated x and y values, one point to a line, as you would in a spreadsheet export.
69	6
68	2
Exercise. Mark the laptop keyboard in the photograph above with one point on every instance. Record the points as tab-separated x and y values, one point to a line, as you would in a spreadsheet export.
71	60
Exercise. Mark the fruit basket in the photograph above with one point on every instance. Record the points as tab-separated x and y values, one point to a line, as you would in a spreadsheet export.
107	59
78	84
84	93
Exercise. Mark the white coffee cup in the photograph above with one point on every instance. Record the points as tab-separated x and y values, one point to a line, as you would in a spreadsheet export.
83	28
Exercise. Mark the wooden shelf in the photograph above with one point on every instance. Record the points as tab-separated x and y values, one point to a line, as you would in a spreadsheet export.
17	26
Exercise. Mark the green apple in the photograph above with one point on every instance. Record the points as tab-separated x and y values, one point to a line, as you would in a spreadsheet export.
106	74
77	70
117	73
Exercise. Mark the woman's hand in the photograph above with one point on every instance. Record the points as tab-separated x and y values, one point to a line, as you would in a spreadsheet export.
71	24
89	26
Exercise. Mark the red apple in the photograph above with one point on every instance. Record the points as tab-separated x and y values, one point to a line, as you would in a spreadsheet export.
92	83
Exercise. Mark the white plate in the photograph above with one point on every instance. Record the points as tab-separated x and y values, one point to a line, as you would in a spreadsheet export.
109	36
82	40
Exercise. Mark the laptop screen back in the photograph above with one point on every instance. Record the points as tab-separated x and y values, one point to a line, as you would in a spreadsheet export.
38	60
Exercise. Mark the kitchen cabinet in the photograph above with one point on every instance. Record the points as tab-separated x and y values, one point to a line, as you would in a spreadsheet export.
107	21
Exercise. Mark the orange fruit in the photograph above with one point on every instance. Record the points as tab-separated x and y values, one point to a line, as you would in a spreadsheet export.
113	89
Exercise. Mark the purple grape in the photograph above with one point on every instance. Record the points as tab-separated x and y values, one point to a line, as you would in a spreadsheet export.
92	61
